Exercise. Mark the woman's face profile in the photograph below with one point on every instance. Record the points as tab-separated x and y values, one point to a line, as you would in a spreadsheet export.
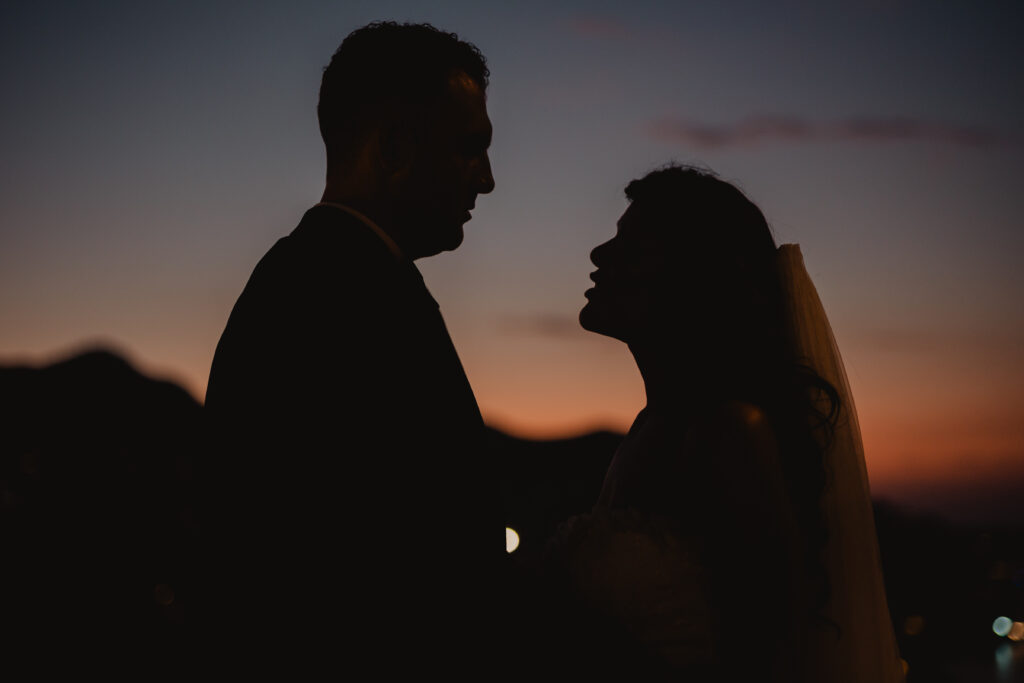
633	269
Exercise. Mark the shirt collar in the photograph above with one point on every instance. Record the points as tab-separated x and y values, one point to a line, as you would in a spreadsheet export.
386	238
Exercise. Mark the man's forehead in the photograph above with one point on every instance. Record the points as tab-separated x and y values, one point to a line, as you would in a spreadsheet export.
462	82
467	106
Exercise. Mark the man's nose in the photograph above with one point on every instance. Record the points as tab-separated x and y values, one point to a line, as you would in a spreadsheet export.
485	183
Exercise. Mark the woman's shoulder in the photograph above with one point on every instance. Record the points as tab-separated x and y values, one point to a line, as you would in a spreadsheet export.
738	449
734	432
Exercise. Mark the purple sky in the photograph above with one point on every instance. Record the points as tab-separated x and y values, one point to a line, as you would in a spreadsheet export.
153	151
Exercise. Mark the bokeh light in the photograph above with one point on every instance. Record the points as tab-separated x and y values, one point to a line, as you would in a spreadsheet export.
1016	631
913	625
511	540
1004	659
1002	625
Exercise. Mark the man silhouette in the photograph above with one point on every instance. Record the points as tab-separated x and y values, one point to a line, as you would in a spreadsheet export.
355	518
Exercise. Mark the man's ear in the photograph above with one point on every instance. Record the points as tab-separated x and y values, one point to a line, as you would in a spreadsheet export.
396	151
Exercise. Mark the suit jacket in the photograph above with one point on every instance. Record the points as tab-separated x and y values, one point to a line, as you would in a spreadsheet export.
350	492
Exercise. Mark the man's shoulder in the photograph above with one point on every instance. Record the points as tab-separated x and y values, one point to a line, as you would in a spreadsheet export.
328	248
324	280
329	231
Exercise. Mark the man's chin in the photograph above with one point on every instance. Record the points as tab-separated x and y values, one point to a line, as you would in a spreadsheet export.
450	240
457	239
453	239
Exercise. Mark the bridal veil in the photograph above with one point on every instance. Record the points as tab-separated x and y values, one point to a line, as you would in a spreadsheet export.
863	647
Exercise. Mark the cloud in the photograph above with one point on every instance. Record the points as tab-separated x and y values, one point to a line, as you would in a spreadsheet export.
905	340
541	324
925	341
759	129
599	27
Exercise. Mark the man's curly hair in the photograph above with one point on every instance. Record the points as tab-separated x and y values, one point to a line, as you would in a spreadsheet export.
388	72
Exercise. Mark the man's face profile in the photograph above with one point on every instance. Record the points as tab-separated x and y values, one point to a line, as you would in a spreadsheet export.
449	169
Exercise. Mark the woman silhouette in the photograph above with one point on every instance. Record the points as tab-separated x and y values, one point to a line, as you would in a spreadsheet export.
733	537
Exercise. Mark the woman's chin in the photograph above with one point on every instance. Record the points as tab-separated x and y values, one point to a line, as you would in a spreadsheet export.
594	320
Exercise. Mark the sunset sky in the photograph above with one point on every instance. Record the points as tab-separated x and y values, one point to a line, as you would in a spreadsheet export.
153	151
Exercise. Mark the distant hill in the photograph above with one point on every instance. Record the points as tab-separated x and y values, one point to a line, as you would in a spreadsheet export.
96	502
100	468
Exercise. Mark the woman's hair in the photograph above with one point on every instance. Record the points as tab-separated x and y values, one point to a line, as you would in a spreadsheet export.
729	260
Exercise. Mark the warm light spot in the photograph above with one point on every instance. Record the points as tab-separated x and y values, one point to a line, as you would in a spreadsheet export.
906	667
1000	571
163	594
1002	626
511	540
913	625
1016	631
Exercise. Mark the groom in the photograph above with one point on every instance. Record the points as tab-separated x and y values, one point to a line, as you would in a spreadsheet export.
356	520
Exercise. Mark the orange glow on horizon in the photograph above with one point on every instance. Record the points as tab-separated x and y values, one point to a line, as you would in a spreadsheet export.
539	390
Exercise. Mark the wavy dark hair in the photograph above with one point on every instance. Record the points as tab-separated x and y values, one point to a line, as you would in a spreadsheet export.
385	73
729	256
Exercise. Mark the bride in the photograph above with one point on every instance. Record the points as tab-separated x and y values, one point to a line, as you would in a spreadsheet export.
733	538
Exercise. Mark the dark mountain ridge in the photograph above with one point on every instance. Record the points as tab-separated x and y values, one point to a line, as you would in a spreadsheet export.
101	482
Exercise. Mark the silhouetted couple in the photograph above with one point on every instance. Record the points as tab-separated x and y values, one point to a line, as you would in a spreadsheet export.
359	524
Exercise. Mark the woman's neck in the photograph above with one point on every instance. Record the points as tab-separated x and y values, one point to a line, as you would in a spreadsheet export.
671	378
680	374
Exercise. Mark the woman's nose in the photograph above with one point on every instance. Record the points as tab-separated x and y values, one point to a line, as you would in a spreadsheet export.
599	253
